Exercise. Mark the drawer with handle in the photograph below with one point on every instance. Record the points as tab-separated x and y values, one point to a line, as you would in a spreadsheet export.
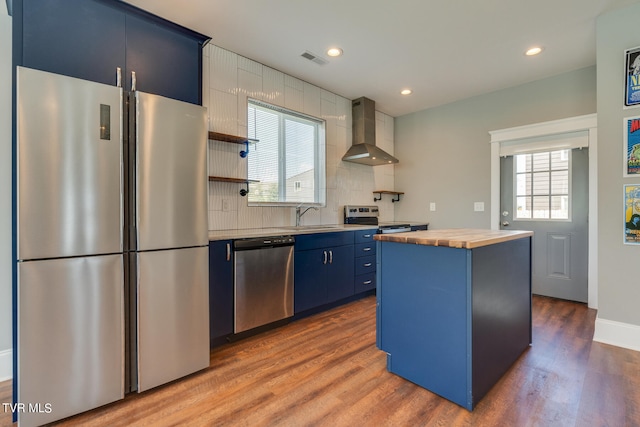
365	282
365	264
363	236
365	249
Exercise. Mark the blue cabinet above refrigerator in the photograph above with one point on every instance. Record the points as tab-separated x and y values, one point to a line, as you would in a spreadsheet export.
91	39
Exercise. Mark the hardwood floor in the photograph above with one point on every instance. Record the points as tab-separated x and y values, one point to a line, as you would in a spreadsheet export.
326	370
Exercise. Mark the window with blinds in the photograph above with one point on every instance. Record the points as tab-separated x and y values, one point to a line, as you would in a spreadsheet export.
287	165
542	185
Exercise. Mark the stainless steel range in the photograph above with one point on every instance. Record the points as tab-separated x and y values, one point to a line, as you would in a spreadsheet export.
368	215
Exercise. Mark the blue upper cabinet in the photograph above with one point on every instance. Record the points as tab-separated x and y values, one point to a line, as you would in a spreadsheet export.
90	39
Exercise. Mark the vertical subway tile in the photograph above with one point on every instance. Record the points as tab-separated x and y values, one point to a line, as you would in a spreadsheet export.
272	86
224	70
312	103
250	86
223	112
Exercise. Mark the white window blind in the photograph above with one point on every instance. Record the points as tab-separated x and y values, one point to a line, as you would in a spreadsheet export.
287	165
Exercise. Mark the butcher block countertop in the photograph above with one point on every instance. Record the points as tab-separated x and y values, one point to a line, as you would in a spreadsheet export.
462	238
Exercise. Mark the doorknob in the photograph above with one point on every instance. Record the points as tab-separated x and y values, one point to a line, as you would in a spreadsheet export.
505	223
505	213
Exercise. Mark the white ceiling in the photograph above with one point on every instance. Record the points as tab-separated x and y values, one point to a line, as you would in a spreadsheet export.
444	50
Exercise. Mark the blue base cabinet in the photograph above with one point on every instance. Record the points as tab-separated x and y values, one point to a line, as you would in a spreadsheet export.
323	269
365	261
220	291
454	320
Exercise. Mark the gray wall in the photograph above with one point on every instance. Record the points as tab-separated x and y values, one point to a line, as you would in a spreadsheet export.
618	281
5	190
444	152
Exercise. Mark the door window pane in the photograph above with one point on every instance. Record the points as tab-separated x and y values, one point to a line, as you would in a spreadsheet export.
542	185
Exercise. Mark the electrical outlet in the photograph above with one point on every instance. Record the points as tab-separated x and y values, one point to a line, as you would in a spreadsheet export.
478	206
225	205
432	206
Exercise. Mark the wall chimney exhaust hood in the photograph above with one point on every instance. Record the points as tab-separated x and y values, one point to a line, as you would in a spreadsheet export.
364	150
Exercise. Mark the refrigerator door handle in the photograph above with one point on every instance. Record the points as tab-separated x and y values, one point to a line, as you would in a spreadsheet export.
133	81
118	77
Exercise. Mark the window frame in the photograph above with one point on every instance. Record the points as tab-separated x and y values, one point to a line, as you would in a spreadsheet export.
320	143
549	194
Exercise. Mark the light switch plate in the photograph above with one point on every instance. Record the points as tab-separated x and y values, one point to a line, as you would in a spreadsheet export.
432	206
478	206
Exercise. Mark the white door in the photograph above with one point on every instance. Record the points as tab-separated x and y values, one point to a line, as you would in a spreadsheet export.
547	192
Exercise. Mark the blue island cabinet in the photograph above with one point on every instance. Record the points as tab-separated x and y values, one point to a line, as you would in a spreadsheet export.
453	320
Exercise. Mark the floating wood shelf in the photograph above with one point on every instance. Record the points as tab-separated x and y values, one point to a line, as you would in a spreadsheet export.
217	136
381	192
225	179
244	191
233	139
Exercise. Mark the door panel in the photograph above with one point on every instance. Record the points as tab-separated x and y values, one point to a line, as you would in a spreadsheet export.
172	315
171	178
69	172
165	61
560	248
70	335
78	38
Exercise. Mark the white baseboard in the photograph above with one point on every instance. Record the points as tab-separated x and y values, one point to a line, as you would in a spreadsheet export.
617	333
6	365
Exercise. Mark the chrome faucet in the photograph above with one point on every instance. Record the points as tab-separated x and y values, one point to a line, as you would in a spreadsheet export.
299	213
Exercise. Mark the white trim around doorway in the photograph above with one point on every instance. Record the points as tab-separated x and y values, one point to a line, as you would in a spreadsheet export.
531	134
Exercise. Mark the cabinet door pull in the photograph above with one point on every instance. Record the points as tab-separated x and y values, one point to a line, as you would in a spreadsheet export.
366	249
228	251
330	257
324	261
118	77
133	81
367	264
367	236
368	282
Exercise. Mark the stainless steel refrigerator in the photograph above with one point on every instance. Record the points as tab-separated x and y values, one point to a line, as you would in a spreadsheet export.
112	247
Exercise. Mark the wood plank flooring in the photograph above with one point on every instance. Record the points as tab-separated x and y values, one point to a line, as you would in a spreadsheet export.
326	371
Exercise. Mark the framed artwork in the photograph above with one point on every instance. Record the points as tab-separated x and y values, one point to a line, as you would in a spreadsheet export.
631	149
632	77
632	214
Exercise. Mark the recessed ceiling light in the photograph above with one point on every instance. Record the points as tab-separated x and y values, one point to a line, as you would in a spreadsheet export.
406	91
334	51
533	51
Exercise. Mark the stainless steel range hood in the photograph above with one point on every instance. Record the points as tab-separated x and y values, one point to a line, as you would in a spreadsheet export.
364	149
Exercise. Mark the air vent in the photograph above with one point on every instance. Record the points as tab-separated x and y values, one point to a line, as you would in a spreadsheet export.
314	58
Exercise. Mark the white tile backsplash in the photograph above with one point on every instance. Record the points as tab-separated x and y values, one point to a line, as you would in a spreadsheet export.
229	79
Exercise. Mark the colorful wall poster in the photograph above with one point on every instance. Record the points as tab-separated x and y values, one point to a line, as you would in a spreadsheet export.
631	146
632	86
632	214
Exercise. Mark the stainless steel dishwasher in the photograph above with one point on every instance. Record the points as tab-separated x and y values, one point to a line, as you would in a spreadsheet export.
263	281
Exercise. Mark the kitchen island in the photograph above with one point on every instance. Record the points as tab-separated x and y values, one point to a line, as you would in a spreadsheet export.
454	307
